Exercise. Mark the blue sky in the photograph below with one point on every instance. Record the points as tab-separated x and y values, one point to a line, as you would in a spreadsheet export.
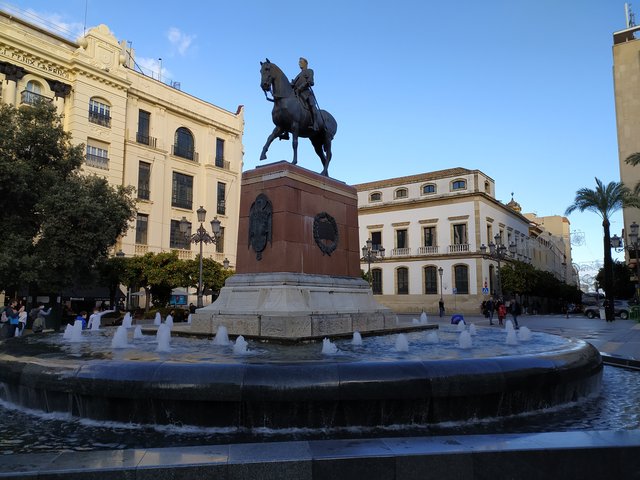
520	89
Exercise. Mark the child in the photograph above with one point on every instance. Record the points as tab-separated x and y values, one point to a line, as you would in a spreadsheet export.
502	313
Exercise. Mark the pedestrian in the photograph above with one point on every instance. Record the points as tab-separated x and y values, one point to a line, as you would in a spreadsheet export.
490	310
502	312
516	310
40	322
441	308
82	317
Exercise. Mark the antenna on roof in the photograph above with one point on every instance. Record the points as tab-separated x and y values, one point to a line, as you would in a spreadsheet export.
86	7
629	16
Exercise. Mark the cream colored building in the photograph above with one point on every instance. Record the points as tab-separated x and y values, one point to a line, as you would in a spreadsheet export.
440	220
626	78
179	151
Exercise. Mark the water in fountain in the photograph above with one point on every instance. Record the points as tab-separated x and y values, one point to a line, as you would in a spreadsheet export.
164	338
126	321
240	346
222	337
423	318
357	338
402	343
189	318
461	326
169	321
328	348
120	339
158	319
512	339
415	321
464	340
137	333
508	325
76	332
472	330
524	334
432	337
67	332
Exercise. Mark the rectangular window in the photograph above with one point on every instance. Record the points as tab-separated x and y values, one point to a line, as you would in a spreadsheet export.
460	234
376	281
177	239
182	191
221	198
99	113
144	123
429	236
401	239
430	280
376	240
144	179
219	152
220	243
462	279
142	225
403	281
489	234
97	155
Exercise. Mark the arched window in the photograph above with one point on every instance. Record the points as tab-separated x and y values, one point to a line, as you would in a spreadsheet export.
459	185
487	187
430	280
99	112
428	188
32	93
375	197
402	275
183	143
461	277
401	193
376	281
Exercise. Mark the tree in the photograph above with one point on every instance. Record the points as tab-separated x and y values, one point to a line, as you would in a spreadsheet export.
604	201
57	222
622	285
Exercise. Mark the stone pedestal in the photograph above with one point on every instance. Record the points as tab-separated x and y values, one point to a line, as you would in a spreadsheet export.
298	269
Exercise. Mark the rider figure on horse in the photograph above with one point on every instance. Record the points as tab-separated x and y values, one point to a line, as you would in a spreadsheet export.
302	87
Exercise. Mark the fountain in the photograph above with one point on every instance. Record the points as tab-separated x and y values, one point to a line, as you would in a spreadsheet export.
297	284
137	333
157	320
127	320
120	339
357	338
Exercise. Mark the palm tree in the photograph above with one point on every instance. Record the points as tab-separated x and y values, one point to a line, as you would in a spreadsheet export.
605	200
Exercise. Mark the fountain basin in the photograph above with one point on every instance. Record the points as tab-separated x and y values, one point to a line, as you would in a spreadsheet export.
284	391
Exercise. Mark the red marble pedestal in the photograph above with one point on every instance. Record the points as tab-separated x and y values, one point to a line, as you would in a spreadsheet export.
304	282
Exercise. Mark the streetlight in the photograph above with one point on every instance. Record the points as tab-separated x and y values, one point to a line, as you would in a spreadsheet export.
120	254
370	255
633	245
498	252
201	236
440	272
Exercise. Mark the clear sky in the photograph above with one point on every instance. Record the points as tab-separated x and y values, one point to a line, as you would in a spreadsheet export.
520	89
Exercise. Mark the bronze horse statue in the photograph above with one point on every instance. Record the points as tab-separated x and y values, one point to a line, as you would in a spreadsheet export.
291	115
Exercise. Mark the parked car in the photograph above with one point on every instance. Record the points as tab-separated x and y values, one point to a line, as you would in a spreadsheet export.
621	309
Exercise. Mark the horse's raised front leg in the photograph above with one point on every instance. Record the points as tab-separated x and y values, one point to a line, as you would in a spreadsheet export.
275	134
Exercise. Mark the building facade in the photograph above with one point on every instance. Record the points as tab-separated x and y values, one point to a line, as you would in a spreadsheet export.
179	152
432	227
626	82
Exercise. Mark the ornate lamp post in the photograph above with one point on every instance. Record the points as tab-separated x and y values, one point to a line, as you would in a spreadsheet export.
498	252
633	245
370	256
201	236
440	272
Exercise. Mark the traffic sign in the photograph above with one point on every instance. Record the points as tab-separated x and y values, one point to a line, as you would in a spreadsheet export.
485	291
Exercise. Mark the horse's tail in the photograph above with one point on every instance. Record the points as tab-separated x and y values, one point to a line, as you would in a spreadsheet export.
330	124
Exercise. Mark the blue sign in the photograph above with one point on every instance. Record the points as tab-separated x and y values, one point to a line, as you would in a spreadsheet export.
485	291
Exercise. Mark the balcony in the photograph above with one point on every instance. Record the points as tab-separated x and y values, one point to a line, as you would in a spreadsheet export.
431	250
146	140
141	250
184	152
31	98
401	252
97	161
144	193
459	248
100	119
183	254
222	163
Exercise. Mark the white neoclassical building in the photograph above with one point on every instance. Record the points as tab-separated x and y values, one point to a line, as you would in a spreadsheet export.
432	227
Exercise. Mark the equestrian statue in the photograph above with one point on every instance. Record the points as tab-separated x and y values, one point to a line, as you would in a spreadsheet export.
295	111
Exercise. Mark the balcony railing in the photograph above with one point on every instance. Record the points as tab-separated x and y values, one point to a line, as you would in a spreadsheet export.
146	140
97	161
401	252
431	250
144	193
222	163
459	248
141	250
184	152
31	98
100	119
183	254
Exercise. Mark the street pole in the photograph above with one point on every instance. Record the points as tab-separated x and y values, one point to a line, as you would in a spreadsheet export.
200	302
